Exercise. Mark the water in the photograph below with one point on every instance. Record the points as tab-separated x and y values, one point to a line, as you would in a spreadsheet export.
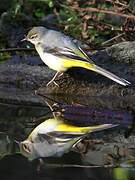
108	154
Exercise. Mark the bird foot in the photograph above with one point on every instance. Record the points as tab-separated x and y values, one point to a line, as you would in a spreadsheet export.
50	82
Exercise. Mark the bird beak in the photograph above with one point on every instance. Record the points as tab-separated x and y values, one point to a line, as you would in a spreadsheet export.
17	142
24	39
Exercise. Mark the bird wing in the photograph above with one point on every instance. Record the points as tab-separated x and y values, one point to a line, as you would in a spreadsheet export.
70	134
64	135
58	137
68	53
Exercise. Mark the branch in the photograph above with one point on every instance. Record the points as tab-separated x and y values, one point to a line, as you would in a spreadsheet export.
16	49
77	166
103	11
114	38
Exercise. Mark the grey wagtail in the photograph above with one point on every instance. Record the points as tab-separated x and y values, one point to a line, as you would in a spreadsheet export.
54	137
60	53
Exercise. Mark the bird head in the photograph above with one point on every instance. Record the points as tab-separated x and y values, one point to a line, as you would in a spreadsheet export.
35	35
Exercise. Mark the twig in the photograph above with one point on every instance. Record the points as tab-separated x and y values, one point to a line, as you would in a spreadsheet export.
103	11
108	41
16	49
76	166
116	2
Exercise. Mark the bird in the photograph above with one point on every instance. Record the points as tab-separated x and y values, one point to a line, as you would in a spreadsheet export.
54	137
59	52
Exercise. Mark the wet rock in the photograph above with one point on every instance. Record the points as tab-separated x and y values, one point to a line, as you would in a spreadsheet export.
18	82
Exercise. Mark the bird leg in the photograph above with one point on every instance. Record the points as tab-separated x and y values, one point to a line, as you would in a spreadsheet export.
58	74
61	74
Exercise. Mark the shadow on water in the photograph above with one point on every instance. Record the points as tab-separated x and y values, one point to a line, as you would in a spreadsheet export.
104	154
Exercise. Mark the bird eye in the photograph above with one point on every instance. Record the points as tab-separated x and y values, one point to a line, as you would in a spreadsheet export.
26	148
33	36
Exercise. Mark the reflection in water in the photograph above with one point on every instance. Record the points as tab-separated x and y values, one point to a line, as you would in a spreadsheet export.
54	137
123	174
104	148
94	116
18	167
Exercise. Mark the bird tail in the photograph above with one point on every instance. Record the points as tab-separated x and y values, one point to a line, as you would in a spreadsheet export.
95	68
93	129
110	75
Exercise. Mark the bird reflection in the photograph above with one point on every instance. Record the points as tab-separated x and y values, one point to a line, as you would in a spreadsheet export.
54	137
69	125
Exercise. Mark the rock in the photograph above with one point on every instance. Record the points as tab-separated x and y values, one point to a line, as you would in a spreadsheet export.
18	82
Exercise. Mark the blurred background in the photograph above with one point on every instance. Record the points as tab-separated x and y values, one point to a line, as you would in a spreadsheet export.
93	22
